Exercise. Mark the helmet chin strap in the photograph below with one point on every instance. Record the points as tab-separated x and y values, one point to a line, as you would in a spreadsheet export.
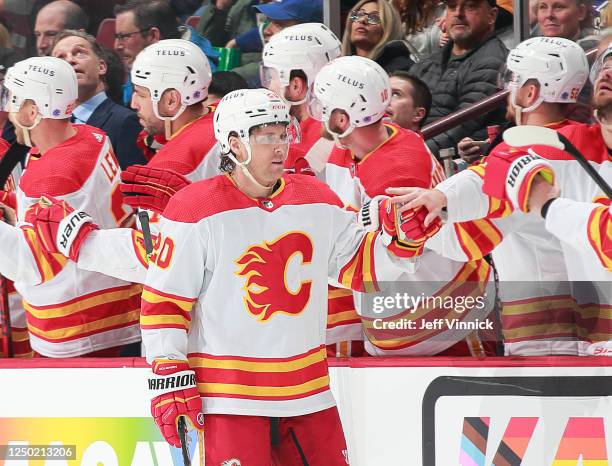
26	129
518	110
294	102
337	136
243	165
168	120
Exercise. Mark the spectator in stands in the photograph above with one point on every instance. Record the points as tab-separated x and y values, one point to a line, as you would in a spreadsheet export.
223	20
93	105
465	71
570	19
421	21
224	82
373	30
144	22
279	15
52	19
410	100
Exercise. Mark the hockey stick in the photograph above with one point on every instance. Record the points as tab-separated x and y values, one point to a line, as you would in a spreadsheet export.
182	431
143	216
528	135
5	316
11	158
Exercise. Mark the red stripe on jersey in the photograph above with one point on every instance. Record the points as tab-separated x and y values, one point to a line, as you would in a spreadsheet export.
260	378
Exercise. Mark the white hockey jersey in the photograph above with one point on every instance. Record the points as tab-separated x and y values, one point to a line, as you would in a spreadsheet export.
545	309
239	288
71	312
586	226
404	160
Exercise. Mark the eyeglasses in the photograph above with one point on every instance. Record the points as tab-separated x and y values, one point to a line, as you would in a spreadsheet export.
121	36
371	18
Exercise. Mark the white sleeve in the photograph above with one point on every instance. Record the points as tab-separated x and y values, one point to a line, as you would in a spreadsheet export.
17	261
465	199
172	286
114	252
358	259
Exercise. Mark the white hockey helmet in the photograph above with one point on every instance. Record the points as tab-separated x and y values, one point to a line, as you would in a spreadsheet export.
306	47
50	82
242	110
357	85
559	65
599	64
173	64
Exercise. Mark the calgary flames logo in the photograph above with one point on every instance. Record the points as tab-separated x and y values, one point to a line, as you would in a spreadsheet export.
268	289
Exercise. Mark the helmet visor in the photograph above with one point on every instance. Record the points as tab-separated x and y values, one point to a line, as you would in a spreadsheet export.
276	133
603	63
507	79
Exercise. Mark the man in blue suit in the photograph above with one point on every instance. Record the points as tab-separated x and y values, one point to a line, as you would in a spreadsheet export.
94	107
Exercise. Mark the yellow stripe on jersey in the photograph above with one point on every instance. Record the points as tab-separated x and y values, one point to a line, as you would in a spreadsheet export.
367	268
600	235
164	320
339	293
67	332
262	391
82	304
49	264
151	297
333	319
539	304
259	366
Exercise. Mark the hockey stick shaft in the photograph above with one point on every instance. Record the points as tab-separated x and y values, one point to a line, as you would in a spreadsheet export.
182	431
5	316
143	216
571	149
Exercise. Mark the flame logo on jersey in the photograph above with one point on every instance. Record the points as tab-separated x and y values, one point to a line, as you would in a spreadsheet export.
265	266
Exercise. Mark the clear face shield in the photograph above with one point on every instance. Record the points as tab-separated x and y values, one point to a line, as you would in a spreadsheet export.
277	81
511	81
601	65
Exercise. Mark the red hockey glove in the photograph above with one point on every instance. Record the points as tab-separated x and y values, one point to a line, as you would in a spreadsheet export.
59	228
9	199
174	393
508	176
150	188
150	144
404	234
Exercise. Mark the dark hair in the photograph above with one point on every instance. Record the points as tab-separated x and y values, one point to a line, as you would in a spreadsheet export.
226	165
421	94
224	82
75	17
115	75
152	14
416	14
115	71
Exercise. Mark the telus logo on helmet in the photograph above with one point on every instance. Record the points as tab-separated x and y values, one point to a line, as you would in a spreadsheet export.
352	82
300	37
41	70
170	52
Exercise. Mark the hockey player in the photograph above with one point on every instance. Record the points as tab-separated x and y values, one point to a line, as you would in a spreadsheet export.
235	300
70	312
171	79
544	313
352	94
587	226
8	204
291	60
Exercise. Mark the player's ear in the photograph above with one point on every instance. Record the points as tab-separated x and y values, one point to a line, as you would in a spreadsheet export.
236	147
297	88
339	121
419	114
